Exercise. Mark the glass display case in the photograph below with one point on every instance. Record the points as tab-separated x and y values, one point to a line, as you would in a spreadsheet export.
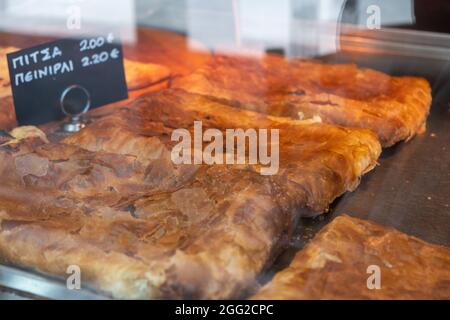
224	149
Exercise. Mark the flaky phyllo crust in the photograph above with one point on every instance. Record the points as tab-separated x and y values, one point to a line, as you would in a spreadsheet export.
340	262
110	200
396	108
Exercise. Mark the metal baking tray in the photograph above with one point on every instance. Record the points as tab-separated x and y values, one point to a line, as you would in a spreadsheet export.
17	284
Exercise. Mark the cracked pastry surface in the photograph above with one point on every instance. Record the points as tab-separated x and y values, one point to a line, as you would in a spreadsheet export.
334	266
396	108
110	200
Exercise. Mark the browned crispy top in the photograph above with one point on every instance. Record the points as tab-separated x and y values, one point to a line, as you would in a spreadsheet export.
303	145
110	200
394	107
338	262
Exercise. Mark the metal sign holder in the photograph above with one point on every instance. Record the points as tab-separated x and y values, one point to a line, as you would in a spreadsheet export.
75	110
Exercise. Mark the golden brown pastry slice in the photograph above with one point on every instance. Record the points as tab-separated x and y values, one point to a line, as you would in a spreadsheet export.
350	255
110	200
7	112
313	155
395	108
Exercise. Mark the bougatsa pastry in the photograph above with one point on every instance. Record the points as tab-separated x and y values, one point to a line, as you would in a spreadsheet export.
395	108
344	260
301	142
110	200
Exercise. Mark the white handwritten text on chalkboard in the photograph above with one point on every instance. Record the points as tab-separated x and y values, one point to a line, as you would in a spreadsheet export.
41	74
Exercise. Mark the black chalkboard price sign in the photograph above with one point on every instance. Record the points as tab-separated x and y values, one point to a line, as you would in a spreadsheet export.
86	73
